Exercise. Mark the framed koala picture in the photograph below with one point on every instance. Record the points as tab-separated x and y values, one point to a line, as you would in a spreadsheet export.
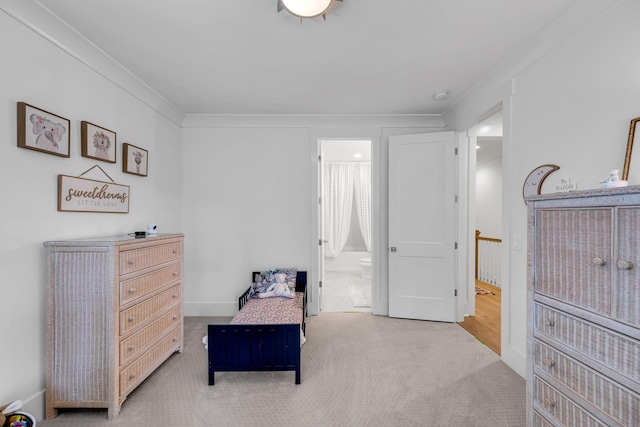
135	160
97	142
43	131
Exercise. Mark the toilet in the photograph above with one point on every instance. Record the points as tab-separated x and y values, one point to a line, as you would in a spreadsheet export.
365	264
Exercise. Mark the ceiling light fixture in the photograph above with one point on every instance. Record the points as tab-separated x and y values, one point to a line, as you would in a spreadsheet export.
305	9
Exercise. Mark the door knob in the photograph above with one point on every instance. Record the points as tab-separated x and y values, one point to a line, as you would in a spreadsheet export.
394	249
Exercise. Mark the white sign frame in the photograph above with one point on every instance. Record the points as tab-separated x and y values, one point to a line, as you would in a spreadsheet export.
88	195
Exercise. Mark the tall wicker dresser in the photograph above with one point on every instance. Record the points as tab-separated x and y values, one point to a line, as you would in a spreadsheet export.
584	308
114	314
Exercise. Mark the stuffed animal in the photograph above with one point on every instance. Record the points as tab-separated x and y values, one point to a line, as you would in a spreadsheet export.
278	289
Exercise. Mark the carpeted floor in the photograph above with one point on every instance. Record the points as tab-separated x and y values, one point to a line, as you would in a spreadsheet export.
357	370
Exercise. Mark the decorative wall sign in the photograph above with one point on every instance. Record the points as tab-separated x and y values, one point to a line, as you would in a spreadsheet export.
76	194
43	131
98	143
633	130
135	160
533	183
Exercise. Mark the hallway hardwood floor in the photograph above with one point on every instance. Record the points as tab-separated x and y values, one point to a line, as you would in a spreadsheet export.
485	325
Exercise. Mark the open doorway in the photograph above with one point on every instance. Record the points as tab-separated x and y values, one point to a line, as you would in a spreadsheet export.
486	220
345	210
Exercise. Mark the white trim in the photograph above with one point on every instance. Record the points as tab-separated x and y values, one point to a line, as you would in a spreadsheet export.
379	305
313	120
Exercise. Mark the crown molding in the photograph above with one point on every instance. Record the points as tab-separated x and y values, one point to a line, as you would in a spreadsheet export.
314	120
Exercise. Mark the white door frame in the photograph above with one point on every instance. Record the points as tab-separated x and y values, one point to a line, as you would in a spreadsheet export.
379	302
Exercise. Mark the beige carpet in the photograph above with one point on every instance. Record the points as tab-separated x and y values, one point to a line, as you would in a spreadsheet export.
357	370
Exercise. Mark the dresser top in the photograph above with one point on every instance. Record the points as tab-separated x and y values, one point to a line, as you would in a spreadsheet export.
597	192
111	240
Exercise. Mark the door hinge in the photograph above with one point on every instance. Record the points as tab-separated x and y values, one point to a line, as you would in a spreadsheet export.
319	200
319	158
456	151
455	292
456	198
319	242
455	245
320	284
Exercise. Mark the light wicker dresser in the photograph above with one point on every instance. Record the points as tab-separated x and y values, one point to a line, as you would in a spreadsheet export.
114	314
584	308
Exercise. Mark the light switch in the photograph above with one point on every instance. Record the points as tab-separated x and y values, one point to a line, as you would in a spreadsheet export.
517	243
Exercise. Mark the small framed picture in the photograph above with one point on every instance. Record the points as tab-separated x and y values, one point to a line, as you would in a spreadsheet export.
135	160
98	143
43	131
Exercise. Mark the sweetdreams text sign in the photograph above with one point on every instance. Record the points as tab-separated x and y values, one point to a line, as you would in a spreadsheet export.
87	195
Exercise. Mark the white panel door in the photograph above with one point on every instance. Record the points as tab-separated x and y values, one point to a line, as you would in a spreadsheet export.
422	227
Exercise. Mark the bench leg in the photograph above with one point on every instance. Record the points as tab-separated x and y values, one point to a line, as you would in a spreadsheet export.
211	377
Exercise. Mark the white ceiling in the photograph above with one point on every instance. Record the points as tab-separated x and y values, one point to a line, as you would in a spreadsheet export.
368	57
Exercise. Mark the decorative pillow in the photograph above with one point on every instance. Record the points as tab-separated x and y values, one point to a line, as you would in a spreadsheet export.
259	285
290	280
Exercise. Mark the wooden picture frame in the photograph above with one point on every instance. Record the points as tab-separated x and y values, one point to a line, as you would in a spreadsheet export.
97	142
135	160
634	130
43	131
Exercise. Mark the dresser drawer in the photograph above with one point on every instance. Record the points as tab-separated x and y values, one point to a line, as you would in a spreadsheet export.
560	407
131	347
139	370
138	259
608	396
147	309
567	243
132	289
618	352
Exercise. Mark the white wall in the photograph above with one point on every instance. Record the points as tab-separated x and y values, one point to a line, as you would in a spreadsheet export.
569	103
246	193
489	199
38	72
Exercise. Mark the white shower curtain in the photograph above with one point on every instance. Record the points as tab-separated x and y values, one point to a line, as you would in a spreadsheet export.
338	203
362	188
342	179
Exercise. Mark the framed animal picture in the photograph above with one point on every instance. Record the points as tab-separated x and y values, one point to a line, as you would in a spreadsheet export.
43	131
97	142
135	160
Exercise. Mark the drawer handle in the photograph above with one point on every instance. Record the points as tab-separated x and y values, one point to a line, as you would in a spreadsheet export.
549	402
174	296
131	377
130	262
549	362
175	316
131	319
131	348
132	290
599	261
549	322
175	251
175	273
625	265
175	339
